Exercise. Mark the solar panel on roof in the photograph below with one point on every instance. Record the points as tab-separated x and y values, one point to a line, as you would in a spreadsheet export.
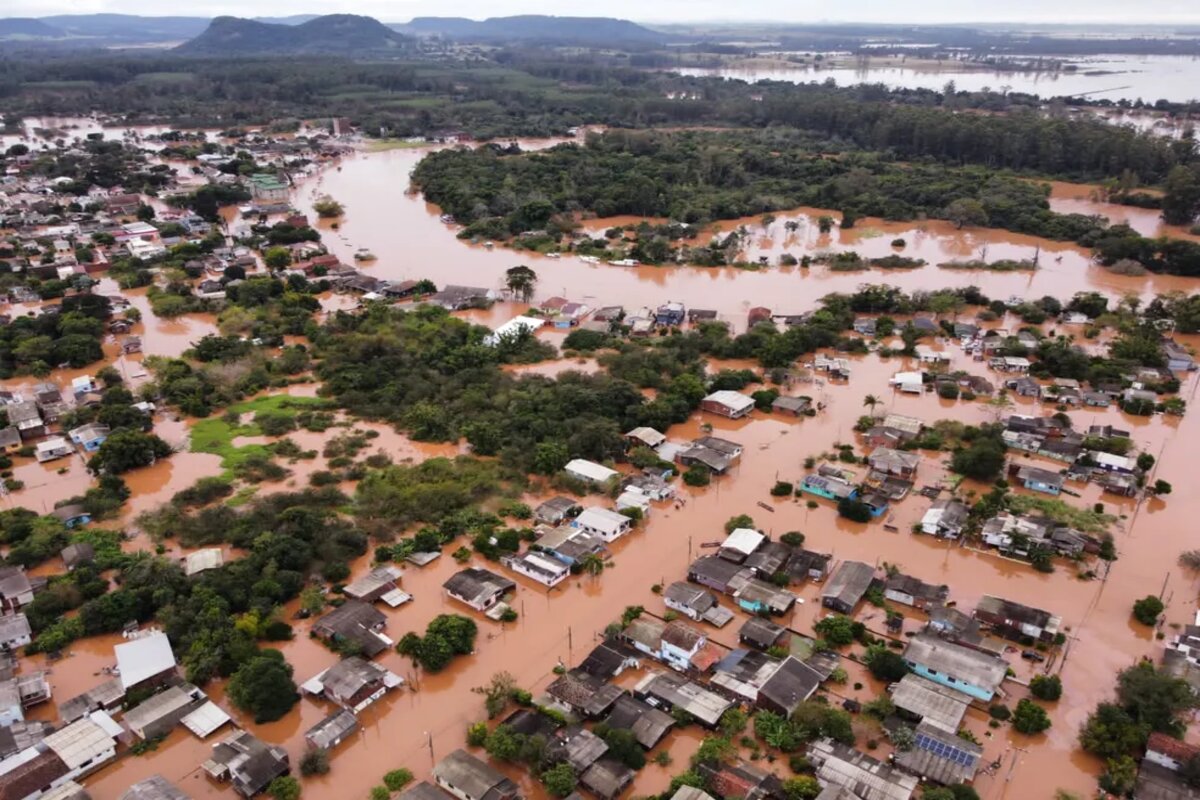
947	751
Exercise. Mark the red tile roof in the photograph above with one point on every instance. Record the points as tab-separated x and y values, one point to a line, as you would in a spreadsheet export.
1174	749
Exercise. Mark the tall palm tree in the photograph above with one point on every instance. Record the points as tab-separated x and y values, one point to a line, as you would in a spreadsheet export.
870	401
592	564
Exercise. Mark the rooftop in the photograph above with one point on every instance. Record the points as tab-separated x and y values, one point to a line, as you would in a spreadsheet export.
143	658
962	663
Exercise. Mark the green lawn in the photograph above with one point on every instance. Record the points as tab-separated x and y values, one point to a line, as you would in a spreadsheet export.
215	435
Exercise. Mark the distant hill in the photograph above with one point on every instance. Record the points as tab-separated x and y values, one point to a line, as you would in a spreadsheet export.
128	28
343	34
23	27
536	27
294	19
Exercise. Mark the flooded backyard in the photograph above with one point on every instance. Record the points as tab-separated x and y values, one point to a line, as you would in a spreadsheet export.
427	719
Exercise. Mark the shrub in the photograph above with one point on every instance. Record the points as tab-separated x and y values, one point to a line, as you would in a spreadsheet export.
697	475
782	489
1046	687
1147	609
1030	718
397	779
314	762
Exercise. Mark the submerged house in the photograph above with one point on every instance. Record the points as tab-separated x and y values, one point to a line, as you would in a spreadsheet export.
829	487
352	683
356	623
910	591
331	731
605	523
247	762
696	603
1016	621
847	586
468	778
728	403
969	671
478	588
1040	480
946	518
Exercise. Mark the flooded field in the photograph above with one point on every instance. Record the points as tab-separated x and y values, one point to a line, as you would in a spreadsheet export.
412	243
427	719
1113	77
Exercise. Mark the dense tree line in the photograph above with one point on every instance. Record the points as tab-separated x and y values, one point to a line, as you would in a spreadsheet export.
699	177
539	94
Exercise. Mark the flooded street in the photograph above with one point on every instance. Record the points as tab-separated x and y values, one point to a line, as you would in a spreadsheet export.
562	624
427	719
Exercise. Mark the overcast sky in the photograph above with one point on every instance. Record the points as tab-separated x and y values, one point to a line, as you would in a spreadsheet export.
1072	11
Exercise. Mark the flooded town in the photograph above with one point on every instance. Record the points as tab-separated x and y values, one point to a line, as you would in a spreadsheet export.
632	458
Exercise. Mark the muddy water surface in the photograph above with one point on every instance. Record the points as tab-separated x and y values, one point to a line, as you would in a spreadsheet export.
411	242
425	721
562	624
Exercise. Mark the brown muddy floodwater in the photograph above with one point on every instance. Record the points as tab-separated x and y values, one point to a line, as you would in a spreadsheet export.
563	623
427	719
405	233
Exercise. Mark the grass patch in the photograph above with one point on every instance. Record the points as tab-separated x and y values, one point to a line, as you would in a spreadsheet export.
1083	519
382	145
215	435
243	496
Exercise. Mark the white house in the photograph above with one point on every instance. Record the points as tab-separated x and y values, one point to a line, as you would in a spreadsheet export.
740	543
548	571
910	382
605	523
589	471
514	327
633	498
53	448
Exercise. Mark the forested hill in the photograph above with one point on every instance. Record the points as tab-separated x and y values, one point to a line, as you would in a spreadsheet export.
537	27
335	34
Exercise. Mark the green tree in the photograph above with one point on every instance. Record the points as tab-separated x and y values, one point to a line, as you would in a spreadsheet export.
966	211
560	780
549	457
497	693
1110	732
801	787
263	686
1181	196
836	629
1120	776
1030	718
1147	609
397	779
277	257
128	449
1046	687
981	460
521	282
886	664
315	761
285	787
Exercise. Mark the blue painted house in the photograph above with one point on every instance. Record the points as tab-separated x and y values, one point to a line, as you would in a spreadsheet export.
89	436
974	673
73	516
829	487
1040	480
